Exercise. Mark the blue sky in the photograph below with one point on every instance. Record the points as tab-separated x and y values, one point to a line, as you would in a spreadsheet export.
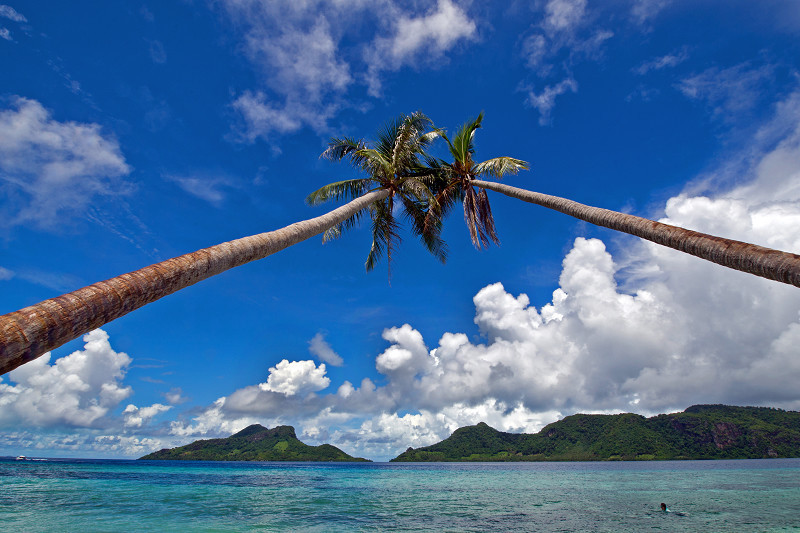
132	132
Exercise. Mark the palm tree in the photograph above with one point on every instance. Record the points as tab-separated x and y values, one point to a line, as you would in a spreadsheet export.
459	179
392	163
30	332
456	183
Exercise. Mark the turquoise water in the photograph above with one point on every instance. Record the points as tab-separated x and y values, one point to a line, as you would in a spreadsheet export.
714	496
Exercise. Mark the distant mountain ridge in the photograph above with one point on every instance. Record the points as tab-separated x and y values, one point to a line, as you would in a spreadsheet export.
699	432
254	443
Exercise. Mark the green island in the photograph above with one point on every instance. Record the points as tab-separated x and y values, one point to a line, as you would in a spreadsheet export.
254	443
699	432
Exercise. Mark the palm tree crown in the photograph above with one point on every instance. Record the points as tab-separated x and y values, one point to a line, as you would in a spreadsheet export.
393	163
455	182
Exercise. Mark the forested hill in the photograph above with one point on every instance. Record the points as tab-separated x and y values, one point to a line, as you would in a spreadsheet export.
255	443
700	432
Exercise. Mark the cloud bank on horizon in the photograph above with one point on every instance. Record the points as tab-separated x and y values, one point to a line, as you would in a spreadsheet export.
631	326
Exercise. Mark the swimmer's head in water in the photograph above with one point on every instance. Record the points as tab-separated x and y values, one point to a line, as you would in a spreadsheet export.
663	506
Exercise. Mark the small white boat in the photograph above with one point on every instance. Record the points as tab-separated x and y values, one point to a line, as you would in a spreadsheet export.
22	458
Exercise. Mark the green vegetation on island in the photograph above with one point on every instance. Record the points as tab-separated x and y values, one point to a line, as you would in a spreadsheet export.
255	443
700	432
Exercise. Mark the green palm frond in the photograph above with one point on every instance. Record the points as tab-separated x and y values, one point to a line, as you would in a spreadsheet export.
340	190
402	141
415	187
339	148
426	224
387	137
462	146
374	163
500	166
407	143
385	233
332	233
427	139
396	162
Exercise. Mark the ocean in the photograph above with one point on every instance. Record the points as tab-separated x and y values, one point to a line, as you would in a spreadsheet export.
104	495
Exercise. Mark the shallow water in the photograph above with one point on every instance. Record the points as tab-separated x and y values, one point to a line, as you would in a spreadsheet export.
84	495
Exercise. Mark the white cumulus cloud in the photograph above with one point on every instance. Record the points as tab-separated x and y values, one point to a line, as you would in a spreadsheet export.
77	390
296	377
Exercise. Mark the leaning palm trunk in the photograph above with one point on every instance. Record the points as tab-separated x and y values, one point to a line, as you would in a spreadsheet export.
765	262
28	333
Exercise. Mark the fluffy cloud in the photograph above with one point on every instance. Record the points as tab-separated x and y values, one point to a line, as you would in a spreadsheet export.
312	54
212	420
297	377
407	355
438	30
50	168
317	346
296	52
137	416
304	59
384	435
77	390
433	33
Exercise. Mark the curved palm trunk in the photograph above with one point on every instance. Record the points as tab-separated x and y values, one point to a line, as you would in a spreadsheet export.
758	260
28	333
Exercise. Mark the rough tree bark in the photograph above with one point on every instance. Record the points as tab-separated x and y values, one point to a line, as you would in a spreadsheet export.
765	262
